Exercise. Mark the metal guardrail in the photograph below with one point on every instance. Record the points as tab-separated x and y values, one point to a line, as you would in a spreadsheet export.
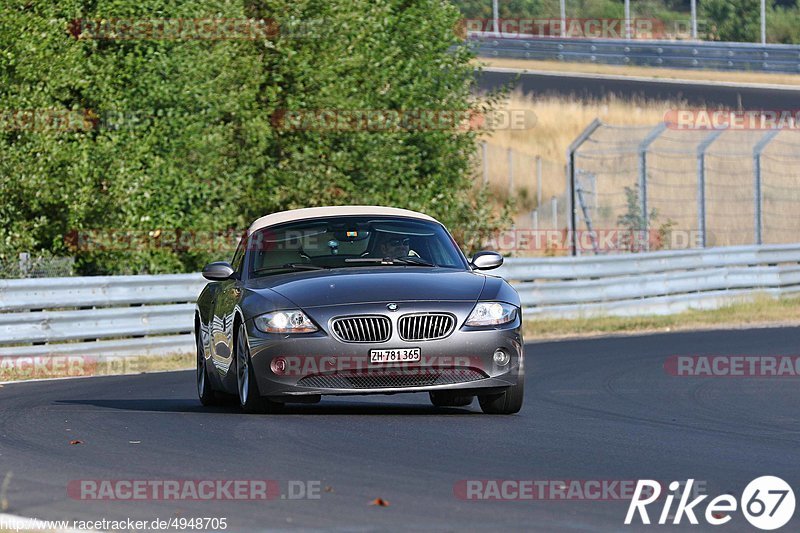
98	291
675	54
103	315
652	283
152	315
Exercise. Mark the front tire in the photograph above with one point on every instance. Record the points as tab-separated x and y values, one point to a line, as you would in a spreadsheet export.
250	400
506	403
204	390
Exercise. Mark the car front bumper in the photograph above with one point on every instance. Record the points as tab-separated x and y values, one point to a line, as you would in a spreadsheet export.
320	364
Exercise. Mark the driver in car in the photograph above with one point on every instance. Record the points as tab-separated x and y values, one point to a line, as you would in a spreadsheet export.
392	245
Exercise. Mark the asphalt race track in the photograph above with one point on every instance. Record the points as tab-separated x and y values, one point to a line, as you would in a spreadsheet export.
601	409
599	86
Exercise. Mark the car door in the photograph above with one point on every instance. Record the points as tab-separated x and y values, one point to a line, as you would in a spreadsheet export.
224	305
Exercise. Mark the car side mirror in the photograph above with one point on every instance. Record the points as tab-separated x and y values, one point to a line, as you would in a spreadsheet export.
218	271
486	260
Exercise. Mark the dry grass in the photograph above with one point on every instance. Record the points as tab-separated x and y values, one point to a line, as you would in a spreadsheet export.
761	312
649	72
559	121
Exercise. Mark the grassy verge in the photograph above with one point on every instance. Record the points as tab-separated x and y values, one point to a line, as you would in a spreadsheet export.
762	312
61	366
649	72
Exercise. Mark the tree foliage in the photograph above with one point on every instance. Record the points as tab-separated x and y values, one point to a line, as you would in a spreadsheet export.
181	134
732	20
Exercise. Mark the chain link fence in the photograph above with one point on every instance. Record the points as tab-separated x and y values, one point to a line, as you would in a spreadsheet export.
526	178
685	188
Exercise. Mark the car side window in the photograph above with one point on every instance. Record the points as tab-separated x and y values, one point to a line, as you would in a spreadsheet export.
238	255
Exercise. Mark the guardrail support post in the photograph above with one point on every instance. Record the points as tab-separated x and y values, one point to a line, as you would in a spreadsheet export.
701	183
627	19
571	209
643	147
760	146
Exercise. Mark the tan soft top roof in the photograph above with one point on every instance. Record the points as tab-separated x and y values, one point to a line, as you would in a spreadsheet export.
318	212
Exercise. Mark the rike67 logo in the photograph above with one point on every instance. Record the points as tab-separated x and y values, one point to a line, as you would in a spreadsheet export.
767	503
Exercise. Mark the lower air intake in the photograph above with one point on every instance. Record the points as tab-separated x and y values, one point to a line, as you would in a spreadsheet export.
391	378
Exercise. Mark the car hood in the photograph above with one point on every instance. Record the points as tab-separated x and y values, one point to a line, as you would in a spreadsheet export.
367	285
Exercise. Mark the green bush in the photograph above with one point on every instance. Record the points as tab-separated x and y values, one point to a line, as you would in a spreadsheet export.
740	21
732	20
783	25
179	134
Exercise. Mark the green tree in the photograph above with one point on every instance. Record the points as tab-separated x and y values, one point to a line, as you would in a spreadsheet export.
182	134
732	20
783	25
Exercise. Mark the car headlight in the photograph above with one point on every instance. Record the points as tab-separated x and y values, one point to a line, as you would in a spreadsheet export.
491	314
291	321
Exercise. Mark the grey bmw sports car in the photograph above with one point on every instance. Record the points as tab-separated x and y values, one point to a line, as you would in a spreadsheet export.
357	300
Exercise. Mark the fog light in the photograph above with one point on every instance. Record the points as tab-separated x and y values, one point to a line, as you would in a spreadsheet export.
278	366
501	358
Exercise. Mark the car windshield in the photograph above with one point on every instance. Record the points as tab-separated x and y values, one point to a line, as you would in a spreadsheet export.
351	242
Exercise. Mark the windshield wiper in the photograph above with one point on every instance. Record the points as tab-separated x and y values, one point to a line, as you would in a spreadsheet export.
293	266
415	261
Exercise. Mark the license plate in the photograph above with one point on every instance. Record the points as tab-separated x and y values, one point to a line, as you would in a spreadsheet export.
395	355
